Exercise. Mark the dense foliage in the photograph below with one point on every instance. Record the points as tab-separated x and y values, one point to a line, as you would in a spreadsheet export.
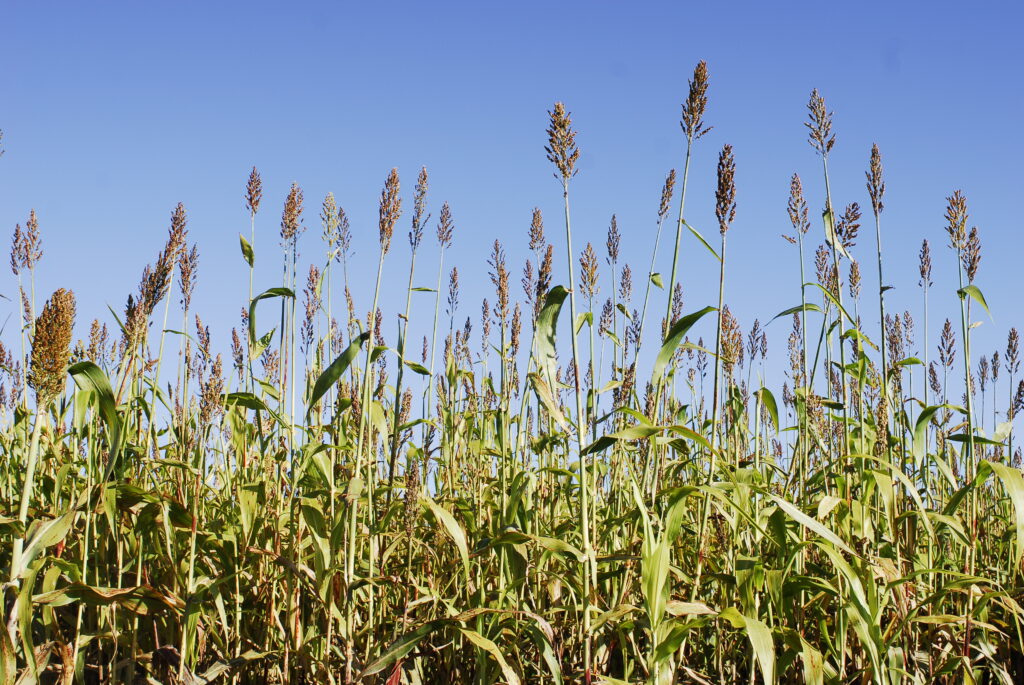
578	490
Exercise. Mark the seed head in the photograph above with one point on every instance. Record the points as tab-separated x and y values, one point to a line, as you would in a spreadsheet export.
419	216
390	209
848	225
692	120
291	217
854	279
561	148
33	241
329	224
956	220
499	278
666	195
529	281
876	186
613	241
626	284
188	265
344	236
237	351
588	272
17	249
210	399
51	345
797	206
947	345
607	316
536	231
677	302
445	226
453	291
725	195
971	256
544	279
517	329
253	192
1013	351
820	134
925	266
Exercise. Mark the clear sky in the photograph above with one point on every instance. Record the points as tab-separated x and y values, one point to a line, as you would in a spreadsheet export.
114	112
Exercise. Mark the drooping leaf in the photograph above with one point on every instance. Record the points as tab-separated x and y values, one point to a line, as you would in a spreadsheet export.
334	372
452	527
675	336
974	293
545	331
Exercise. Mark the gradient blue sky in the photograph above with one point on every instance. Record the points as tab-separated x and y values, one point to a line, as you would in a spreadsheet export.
114	112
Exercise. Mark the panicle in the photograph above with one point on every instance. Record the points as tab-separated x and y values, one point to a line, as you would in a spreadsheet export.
390	209
666	195
876	185
820	134
925	264
291	216
51	346
725	195
971	256
419	215
614	238
536	230
588	272
956	220
253	192
561	148
445	226
626	284
692	119
499	278
797	206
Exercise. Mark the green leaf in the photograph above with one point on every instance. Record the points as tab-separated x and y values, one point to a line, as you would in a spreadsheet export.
768	400
704	242
832	298
492	649
399	648
90	378
418	368
809	523
266	294
581	318
1013	481
546	398
222	666
333	372
558	546
810	307
975	294
830	234
921	428
631	433
544	333
674	337
42	534
656	280
760	640
454	530
247	252
142	599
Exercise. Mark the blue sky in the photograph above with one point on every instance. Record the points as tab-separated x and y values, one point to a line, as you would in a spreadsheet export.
114	112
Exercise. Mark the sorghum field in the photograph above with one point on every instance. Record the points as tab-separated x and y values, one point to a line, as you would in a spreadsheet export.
585	482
